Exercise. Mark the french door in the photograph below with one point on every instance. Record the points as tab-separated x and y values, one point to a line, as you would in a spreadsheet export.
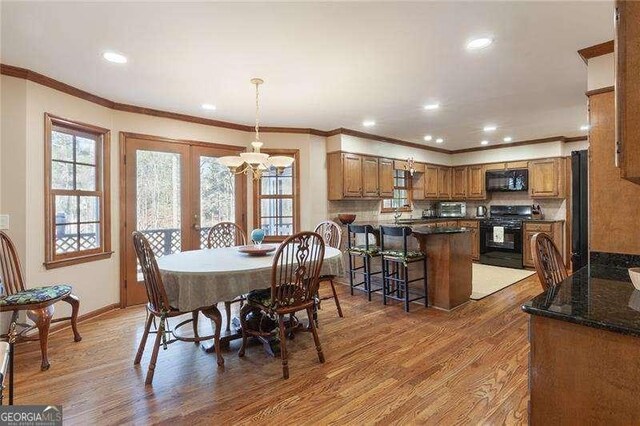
174	192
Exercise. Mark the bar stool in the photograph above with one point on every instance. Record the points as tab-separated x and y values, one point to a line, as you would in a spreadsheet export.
364	251
395	268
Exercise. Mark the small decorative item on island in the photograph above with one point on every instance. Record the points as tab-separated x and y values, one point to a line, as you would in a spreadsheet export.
346	218
536	212
257	236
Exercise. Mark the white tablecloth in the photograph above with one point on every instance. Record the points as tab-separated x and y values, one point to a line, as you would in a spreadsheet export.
200	278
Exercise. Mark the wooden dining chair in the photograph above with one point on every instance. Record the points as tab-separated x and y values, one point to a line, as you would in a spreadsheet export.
227	234
332	237
548	261
158	307
294	283
37	302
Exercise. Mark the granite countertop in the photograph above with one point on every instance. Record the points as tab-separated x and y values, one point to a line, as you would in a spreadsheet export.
596	296
426	230
544	220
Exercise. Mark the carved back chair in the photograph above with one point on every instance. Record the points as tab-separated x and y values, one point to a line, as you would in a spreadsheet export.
548	261
227	234
294	283
332	236
38	302
158	307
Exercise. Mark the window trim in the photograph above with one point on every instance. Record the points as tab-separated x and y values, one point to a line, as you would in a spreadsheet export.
408	179
103	191
295	153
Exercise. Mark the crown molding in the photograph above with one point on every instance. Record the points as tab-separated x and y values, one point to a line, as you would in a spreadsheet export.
23	73
595	51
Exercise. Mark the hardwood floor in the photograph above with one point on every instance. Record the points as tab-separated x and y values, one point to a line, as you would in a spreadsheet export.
468	366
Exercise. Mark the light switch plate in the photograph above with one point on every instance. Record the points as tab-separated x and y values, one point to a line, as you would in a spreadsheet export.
4	221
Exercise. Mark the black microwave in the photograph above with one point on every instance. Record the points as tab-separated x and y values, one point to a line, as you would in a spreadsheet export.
507	180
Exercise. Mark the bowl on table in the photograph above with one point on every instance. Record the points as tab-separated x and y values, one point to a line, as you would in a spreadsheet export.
257	249
346	218
634	274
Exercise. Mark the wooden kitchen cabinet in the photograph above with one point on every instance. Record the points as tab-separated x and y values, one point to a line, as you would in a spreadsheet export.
459	183
385	176
546	178
444	183
370	179
476	187
627	88
417	183
474	227
495	166
431	182
552	229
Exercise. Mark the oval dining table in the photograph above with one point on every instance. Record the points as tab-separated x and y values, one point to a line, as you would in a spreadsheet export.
203	278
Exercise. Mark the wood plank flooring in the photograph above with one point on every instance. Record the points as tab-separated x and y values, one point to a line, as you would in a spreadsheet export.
468	366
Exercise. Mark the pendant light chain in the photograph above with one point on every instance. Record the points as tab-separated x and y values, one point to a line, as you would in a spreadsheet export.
257	113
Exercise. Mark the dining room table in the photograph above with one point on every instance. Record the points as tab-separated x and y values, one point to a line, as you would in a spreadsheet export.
203	278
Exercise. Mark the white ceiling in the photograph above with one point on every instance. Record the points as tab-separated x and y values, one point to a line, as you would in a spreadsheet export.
327	65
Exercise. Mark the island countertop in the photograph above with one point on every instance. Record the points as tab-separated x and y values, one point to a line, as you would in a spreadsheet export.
596	296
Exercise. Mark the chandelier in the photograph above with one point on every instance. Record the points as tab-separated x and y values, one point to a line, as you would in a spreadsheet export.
254	161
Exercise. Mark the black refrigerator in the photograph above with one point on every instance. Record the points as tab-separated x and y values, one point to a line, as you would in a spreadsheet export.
580	209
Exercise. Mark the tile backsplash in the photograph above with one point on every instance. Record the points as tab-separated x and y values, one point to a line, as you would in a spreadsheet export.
366	210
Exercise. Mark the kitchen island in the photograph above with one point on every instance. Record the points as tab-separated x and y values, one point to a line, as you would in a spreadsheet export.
449	263
584	364
449	266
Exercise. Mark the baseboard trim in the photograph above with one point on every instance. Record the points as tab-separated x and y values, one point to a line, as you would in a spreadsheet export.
84	317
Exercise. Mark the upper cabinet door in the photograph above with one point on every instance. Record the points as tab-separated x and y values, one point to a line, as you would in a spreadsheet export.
459	185
546	178
385	173
370	183
431	181
444	183
476	188
352	175
627	89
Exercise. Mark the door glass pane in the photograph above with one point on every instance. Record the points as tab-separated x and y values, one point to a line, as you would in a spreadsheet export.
217	196
158	207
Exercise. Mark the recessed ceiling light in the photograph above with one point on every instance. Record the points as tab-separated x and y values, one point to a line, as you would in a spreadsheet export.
484	143
209	107
428	138
430	107
115	57
507	139
479	43
584	127
489	128
368	123
439	140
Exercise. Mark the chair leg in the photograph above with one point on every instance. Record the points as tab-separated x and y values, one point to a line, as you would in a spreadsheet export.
42	319
143	341
335	297
385	267
367	276
227	310
154	354
243	325
194	316
405	277
214	315
426	287
350	272
283	343
316	339
73	300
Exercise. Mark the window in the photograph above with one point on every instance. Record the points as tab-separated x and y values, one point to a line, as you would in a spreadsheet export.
275	203
401	193
77	199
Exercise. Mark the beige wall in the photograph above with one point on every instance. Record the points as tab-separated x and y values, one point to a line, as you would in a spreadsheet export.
600	72
22	173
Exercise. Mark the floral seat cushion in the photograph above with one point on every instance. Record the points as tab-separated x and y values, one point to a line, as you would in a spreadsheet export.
36	295
371	251
400	254
262	298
